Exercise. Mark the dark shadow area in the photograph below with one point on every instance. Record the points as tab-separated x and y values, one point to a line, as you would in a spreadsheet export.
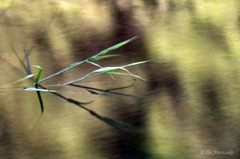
214	124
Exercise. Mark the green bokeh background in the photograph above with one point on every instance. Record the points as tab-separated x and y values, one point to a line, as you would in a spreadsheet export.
192	85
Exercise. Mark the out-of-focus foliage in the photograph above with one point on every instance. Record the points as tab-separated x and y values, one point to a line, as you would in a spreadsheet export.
192	82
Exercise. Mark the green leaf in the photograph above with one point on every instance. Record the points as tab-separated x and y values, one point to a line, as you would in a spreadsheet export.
39	74
120	73
64	70
112	122
77	102
26	77
117	88
106	91
90	76
93	92
94	58
117	46
136	63
106	69
109	121
40	99
108	94
28	63
37	89
109	69
75	64
116	123
80	79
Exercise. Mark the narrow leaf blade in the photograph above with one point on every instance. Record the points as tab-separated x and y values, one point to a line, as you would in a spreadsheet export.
40	100
39	74
107	94
100	57
112	122
28	63
80	79
77	102
106	91
113	89
92	92
95	57
106	69
75	64
135	63
64	70
120	73
37	89
24	78
117	46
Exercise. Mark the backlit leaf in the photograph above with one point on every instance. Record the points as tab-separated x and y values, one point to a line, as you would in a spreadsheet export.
24	78
93	58
39	74
100	57
117	46
135	63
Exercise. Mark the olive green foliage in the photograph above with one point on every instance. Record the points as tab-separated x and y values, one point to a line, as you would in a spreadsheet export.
191	83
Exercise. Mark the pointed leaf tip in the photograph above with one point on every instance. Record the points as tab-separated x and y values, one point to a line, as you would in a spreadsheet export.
112	122
39	74
28	63
117	46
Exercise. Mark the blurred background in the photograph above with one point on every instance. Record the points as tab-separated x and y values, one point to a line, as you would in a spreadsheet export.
192	88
